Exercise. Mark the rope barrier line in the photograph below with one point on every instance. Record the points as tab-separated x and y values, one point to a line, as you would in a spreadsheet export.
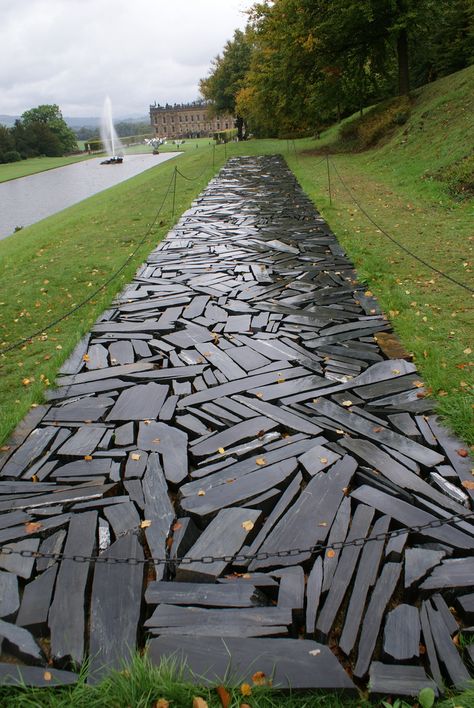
400	245
111	278
241	557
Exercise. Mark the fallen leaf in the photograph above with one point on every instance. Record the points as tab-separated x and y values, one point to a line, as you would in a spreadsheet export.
5	448
26	382
135	456
259	394
247	525
47	676
347	403
33	526
368	293
146	523
224	696
330	553
418	384
280	380
246	689
221	450
88	457
377	430
161	703
323	460
260	461
201	493
199	702
467	485
462	452
156	441
315	652
34	478
86	357
395	371
259	678
177	526
468	350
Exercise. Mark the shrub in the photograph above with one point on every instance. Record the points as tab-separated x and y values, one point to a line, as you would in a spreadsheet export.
11	156
367	130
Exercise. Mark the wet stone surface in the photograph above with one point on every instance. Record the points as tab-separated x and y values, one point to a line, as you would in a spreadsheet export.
239	398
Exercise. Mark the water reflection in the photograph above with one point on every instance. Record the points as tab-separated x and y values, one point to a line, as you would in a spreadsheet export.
26	200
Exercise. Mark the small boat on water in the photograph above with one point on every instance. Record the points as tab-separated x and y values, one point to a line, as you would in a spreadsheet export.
115	160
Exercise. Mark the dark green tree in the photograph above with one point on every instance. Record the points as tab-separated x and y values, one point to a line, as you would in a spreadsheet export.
227	77
50	116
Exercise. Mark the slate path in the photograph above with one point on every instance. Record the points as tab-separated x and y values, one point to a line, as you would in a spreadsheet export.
239	397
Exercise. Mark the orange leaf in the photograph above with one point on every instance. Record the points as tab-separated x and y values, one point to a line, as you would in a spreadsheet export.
259	678
88	457
260	461
33	526
462	453
177	526
86	357
331	553
246	689
47	675
224	696
467	485
161	703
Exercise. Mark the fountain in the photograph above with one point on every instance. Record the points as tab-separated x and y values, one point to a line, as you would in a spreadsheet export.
109	137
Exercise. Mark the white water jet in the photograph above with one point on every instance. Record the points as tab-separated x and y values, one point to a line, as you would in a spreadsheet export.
109	137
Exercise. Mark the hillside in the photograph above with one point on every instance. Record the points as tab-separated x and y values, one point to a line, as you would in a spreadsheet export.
434	141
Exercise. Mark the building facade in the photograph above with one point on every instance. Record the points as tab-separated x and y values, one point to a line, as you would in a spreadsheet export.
190	120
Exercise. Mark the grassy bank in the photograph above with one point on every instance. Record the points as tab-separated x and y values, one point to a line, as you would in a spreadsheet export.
23	168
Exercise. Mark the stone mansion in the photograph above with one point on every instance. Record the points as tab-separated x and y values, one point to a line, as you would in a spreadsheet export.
189	120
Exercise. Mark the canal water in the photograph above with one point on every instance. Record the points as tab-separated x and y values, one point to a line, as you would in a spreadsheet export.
26	200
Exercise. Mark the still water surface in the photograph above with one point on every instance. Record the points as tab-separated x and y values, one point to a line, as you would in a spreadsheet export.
28	199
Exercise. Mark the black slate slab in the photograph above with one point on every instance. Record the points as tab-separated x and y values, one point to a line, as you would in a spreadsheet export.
14	675
381	595
171	443
114	616
140	402
290	662
204	594
401	639
9	597
390	679
224	536
66	618
36	600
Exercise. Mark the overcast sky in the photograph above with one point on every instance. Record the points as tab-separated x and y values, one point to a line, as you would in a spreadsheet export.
75	52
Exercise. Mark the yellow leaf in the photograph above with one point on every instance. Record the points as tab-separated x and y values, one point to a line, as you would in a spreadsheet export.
26	382
323	460
88	457
34	478
467	485
47	675
248	525
347	403
468	350
161	703
135	456
86	357
368	293
281	380
246	689
259	394
201	493
221	450
418	384
146	523
395	371
260	461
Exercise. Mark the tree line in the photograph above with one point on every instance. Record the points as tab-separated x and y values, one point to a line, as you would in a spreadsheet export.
39	131
302	64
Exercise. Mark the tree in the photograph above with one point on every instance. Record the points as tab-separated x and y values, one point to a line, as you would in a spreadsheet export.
227	77
49	116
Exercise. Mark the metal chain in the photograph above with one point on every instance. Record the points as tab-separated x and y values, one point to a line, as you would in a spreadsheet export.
241	557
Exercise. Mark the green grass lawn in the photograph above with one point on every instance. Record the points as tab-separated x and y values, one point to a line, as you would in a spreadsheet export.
23	168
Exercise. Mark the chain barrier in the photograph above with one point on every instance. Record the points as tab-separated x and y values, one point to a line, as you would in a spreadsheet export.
385	233
242	558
